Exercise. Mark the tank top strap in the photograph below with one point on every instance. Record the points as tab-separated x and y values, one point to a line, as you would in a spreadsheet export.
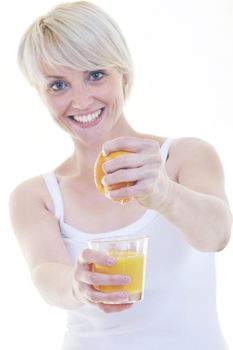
55	193
164	149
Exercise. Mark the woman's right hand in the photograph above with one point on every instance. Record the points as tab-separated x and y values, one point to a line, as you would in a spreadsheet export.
86	282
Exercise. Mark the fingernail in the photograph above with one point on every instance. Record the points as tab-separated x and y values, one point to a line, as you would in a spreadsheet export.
104	153
110	261
125	279
124	296
103	181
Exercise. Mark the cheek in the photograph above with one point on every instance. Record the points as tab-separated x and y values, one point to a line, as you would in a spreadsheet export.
56	106
119	100
116	95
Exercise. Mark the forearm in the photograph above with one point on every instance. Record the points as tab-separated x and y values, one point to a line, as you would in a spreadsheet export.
205	220
54	283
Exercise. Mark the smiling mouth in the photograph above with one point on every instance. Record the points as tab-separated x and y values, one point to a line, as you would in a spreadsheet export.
88	118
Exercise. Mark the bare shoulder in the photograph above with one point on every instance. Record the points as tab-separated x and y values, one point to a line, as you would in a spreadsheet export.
31	190
35	225
31	185
198	165
27	197
191	153
183	148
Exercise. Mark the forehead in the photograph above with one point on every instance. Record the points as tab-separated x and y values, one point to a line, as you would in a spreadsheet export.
56	70
62	71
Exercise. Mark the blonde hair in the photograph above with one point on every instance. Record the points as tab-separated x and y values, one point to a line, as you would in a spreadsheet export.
77	35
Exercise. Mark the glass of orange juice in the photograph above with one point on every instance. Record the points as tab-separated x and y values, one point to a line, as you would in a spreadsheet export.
130	254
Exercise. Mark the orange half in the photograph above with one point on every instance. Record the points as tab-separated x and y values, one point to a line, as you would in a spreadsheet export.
99	174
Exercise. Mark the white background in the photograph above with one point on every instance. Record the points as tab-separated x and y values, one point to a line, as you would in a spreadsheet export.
183	58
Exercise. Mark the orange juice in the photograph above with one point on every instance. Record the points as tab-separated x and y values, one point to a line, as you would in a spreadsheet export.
128	263
130	254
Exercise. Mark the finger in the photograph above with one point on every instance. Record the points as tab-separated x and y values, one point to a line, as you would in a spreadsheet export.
100	279
89	256
129	175
129	161
140	189
124	161
131	144
98	297
104	301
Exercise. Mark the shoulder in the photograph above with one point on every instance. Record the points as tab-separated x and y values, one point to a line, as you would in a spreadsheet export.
29	192
31	187
198	166
181	146
186	149
189	151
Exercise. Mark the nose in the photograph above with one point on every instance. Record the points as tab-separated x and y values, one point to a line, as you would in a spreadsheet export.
81	96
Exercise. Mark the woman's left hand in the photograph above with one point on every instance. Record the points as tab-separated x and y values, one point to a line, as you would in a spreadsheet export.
144	166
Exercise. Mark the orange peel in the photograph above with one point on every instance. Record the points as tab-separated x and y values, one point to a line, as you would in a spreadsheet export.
99	174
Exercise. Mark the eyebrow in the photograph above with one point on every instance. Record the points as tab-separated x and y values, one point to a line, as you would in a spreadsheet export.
54	77
62	77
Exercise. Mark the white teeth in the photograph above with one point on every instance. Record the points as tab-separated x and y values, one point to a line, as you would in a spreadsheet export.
87	118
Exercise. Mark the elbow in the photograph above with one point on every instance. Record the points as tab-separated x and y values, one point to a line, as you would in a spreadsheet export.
220	236
224	242
226	233
213	246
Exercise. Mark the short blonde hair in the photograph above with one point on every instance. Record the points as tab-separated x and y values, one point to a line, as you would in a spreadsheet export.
77	35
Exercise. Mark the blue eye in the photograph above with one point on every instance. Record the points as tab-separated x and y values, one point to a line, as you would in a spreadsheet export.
96	75
58	85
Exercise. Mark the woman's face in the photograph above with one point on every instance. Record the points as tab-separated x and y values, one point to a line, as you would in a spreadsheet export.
85	104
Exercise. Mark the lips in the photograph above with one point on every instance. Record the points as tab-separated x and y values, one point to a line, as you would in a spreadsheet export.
87	120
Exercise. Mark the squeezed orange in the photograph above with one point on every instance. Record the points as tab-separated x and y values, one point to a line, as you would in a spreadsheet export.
128	263
99	173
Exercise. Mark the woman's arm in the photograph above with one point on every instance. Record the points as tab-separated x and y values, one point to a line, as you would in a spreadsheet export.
195	201
39	237
58	282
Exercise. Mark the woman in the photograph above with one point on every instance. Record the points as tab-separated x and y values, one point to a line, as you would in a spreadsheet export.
78	61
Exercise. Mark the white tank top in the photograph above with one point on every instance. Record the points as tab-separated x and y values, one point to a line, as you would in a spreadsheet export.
178	311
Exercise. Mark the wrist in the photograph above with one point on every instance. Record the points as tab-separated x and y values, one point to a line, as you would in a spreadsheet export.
74	297
167	200
160	201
